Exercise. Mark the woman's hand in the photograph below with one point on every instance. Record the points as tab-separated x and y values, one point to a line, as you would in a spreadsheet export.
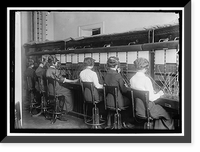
118	70
126	85
62	79
161	93
70	81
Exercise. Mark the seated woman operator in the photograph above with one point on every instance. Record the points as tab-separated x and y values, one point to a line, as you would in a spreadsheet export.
41	72
114	78
30	72
54	73
88	75
142	82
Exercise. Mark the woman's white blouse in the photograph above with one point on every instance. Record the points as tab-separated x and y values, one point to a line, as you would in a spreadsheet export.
141	82
88	75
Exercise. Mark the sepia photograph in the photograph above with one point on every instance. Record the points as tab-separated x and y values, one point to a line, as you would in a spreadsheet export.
97	72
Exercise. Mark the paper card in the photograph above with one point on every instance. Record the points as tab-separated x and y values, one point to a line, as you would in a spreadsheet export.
88	55
171	56
74	58
143	54
58	56
80	57
132	56
159	57
111	54
122	56
69	58
45	57
96	57
62	58
103	58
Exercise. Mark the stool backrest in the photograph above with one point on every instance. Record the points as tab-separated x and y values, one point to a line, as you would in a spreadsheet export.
51	84
142	97
88	92
41	84
112	90
30	83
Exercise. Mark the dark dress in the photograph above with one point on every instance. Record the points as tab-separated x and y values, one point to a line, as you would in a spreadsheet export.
41	72
30	74
113	78
33	83
60	90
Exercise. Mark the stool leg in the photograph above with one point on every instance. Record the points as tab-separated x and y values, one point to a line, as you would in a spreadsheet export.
33	105
85	112
119	124
53	118
95	117
44	103
109	123
148	124
31	102
54	115
115	121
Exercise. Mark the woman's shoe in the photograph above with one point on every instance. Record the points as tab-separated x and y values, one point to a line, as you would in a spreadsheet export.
128	125
48	116
62	118
109	127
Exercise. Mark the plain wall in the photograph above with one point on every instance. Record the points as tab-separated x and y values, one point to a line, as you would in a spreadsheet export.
66	24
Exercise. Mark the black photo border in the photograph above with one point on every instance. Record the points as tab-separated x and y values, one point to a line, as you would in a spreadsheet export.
188	119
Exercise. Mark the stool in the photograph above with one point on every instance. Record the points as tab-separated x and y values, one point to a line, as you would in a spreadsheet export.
52	95
142	96
113	90
33	104
44	104
89	98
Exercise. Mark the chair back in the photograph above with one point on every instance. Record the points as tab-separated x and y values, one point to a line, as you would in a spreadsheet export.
30	83
142	98
41	84
88	92
51	84
113	91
